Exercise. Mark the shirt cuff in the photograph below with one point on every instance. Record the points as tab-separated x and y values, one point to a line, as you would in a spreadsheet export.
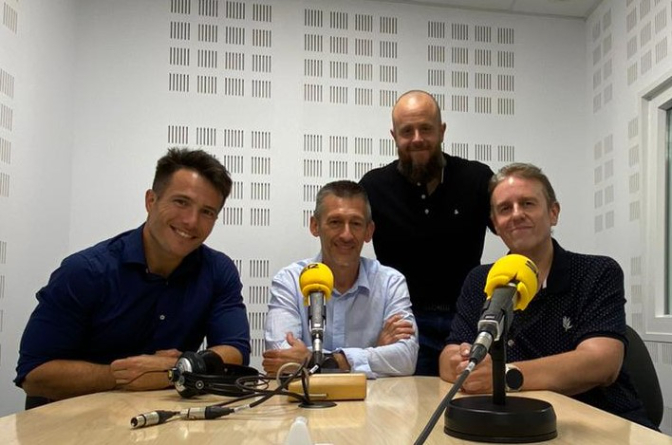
359	361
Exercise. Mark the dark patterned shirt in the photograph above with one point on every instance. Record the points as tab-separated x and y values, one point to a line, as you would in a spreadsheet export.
583	298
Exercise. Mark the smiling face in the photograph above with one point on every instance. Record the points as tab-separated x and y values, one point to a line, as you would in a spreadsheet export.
522	216
418	133
343	229
179	219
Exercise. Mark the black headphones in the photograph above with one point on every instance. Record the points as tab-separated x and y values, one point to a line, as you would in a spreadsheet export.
204	372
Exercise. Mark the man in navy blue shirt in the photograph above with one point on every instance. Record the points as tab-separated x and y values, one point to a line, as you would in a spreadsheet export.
119	314
571	337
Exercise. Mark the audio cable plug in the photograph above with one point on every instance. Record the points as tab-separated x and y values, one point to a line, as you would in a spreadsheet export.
152	418
207	413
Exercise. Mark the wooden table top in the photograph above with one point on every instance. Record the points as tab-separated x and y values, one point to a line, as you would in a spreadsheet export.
394	412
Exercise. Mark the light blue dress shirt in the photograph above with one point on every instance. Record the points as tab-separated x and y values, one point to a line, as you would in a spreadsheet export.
354	319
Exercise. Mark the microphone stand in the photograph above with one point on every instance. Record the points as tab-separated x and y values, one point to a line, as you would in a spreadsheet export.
315	367
498	356
497	418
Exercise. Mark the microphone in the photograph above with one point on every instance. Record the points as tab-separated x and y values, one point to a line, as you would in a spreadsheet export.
316	282
511	284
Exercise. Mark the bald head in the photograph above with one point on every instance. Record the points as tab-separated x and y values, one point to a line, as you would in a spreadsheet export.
418	133
419	101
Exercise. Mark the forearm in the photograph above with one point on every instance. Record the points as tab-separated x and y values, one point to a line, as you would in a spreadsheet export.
229	354
570	373
62	379
397	359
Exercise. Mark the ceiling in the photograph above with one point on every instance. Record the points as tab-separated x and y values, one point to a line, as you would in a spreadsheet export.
579	9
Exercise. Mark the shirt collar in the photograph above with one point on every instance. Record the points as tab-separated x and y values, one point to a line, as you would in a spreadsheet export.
362	285
133	252
558	277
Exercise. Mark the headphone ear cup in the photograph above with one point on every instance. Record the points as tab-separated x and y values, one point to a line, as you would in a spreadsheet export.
213	363
192	364
205	372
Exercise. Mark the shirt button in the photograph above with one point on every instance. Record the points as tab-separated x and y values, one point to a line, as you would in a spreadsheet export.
162	317
423	196
426	211
511	343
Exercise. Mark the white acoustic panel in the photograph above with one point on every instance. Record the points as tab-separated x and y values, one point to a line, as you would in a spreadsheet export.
9	95
4	185
267	98
10	17
603	178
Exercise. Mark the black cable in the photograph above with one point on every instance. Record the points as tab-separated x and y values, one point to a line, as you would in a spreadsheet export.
217	410
444	404
305	385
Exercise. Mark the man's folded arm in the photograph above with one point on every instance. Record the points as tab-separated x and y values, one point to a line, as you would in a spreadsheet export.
229	354
397	359
61	379
396	353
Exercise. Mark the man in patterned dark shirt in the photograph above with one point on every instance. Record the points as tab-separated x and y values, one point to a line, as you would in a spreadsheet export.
571	337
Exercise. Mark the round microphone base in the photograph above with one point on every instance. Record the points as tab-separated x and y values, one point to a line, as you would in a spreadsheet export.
519	420
317	405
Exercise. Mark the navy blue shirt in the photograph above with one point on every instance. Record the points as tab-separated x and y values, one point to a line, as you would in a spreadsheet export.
583	298
103	304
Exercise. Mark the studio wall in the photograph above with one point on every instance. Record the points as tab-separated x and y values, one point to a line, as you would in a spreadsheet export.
37	60
289	95
627	55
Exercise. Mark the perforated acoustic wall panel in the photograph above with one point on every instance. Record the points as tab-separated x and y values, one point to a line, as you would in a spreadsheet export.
471	70
618	179
343	68
628	51
350	61
221	55
8	34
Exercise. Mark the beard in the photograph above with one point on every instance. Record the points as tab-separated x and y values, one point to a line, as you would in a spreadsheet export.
421	173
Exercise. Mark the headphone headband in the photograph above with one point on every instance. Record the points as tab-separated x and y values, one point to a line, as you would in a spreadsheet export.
204	372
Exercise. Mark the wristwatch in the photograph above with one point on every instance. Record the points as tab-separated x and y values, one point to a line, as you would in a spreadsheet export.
513	378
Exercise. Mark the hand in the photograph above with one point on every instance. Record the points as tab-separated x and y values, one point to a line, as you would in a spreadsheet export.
144	372
480	379
395	328
169	353
275	358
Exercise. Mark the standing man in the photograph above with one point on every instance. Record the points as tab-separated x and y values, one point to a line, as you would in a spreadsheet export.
431	213
117	315
570	338
370	327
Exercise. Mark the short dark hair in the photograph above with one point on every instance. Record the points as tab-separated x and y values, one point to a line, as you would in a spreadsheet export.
524	171
342	189
199	161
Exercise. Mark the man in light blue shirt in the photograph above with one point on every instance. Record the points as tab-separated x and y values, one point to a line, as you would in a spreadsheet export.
370	326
